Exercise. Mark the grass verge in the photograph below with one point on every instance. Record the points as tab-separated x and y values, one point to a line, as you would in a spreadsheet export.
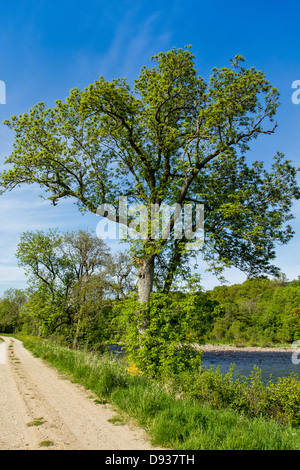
171	422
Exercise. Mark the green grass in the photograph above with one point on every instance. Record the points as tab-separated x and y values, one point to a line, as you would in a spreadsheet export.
36	422
46	444
171	422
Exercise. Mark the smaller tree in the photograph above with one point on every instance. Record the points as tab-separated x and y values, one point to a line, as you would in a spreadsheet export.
63	269
91	300
123	272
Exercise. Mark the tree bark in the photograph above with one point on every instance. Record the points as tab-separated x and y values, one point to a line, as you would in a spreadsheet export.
145	281
145	285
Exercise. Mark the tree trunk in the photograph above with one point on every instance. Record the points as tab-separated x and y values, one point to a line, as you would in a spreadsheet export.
145	285
145	281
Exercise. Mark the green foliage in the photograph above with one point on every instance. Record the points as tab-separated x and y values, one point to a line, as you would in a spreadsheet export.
258	311
11	305
91	322
171	140
278	400
71	285
174	322
44	313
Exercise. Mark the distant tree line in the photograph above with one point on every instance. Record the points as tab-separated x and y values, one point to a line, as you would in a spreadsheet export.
258	311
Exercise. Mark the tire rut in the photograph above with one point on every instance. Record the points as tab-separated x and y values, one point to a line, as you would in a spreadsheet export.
43	418
42	408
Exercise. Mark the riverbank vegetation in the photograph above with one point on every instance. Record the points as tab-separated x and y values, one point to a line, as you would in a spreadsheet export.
186	414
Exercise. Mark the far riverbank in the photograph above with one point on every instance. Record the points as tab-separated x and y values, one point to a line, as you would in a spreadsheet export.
273	362
229	347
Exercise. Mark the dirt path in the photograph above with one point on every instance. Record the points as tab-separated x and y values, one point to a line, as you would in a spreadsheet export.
38	406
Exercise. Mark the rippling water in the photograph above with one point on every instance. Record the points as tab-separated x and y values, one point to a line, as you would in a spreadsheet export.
277	364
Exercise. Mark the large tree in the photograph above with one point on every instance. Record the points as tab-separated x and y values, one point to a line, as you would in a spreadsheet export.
173	140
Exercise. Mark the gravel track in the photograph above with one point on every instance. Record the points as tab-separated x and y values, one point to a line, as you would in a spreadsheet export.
40	409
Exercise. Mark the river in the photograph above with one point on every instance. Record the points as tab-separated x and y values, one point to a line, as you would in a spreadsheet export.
271	363
277	364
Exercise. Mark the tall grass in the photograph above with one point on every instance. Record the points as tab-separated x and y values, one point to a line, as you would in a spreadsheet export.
180	423
278	398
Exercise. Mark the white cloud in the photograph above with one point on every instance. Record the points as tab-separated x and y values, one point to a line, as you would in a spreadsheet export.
133	42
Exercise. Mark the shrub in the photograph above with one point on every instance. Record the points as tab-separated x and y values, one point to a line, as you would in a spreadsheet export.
162	349
283	399
279	400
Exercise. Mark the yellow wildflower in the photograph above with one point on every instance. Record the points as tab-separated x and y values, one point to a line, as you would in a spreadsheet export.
133	370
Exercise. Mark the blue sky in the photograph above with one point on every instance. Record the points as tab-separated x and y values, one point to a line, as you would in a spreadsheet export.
49	47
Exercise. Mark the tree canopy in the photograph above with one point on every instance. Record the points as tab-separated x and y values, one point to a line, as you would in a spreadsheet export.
173	139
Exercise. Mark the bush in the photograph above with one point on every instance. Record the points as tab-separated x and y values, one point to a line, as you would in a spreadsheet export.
162	348
279	400
283	400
